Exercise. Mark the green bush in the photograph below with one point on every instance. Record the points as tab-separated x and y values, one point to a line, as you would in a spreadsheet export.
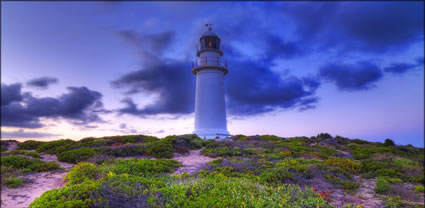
233	192
419	189
345	164
29	145
130	191
382	185
77	155
25	163
160	149
191	141
389	142
393	202
75	196
347	185
81	172
12	181
143	167
364	152
124	150
404	163
270	138
50	147
22	152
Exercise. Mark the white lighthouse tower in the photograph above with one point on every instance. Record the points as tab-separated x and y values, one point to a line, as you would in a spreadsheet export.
210	106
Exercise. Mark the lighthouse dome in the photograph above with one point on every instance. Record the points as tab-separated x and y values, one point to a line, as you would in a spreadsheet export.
209	33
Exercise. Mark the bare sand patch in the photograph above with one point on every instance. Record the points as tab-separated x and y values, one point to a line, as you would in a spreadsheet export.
192	162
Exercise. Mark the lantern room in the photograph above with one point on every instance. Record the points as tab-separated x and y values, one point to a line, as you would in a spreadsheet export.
209	40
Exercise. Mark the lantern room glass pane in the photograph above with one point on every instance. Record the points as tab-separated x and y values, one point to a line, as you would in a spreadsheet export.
210	42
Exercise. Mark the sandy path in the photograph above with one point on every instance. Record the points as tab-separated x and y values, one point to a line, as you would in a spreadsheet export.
37	184
192	162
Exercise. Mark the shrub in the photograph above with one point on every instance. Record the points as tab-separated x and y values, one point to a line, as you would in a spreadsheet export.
190	141
25	163
389	142
130	191
382	185
404	163
143	167
394	180
29	145
74	196
233	192
160	149
419	189
322	136
364	152
12	181
99	158
349	186
77	155
22	152
345	164
124	150
81	172
393	202
270	138
129	139
50	147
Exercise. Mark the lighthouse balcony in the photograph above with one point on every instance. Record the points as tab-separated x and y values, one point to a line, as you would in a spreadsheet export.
209	63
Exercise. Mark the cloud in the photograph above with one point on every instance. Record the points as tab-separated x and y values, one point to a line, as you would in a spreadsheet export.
400	68
257	89
155	43
79	106
350	77
381	27
11	93
420	60
42	82
172	82
25	134
276	47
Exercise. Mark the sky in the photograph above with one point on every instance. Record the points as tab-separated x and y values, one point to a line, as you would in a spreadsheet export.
82	69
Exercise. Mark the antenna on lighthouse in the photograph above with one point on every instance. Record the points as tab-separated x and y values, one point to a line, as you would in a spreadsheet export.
209	26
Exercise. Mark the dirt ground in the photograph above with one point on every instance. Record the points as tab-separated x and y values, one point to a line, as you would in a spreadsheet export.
35	185
192	162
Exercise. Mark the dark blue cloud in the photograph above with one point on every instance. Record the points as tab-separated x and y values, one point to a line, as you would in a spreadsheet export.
400	68
11	93
420	60
276	47
257	89
78	106
42	82
372	27
350	77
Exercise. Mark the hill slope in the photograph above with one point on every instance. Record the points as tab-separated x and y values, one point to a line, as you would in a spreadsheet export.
244	171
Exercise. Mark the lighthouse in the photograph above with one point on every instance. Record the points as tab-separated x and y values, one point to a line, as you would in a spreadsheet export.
210	70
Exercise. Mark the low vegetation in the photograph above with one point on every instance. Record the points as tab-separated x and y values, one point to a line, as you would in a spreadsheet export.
249	171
